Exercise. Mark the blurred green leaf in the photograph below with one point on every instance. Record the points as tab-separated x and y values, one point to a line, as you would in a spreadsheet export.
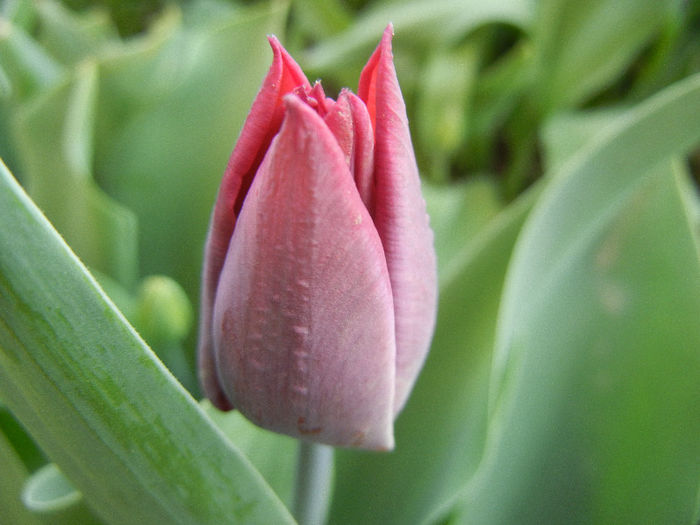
55	135
580	47
466	208
26	449
440	434
594	406
499	89
72	37
435	21
321	18
54	500
567	132
98	401
14	473
21	13
441	109
675	54
153	118
171	106
26	65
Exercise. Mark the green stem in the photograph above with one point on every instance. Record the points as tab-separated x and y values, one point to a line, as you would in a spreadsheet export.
313	483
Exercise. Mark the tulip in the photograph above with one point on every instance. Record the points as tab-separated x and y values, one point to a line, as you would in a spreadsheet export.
319	283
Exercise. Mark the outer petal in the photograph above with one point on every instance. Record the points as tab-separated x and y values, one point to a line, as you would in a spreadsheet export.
304	324
260	127
400	218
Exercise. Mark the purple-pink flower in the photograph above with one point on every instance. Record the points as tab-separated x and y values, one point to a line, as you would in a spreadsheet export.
319	284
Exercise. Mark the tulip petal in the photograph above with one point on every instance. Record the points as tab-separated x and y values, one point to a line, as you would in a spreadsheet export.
260	127
304	319
349	122
400	218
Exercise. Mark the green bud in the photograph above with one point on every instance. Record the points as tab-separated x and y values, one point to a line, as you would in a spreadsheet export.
163	310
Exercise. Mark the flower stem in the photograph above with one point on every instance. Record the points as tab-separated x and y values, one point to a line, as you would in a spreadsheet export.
313	483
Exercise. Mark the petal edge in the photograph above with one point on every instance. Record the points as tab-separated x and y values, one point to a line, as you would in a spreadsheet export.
401	218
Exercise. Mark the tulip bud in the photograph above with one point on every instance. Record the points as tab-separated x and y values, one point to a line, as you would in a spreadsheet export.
319	283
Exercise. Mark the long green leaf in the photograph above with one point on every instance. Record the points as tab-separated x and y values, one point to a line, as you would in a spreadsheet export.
592	185
96	398
595	412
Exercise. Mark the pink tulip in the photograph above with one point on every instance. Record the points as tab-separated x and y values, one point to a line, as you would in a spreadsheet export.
319	284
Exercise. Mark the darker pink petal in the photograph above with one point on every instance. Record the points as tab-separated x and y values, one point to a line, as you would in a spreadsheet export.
304	315
260	127
400	218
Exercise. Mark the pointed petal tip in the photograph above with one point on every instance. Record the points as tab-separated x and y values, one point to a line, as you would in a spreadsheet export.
387	37
388	31
273	40
277	47
385	52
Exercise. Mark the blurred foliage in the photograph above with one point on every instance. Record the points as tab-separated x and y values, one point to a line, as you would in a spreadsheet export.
558	141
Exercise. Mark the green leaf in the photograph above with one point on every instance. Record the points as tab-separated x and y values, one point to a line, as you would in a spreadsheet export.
72	37
98	401
273	455
443	21
443	101
20	12
24	447
594	406
499	89
155	115
55	136
321	18
440	434
27	66
170	108
54	499
14	473
464	207
580	47
567	132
